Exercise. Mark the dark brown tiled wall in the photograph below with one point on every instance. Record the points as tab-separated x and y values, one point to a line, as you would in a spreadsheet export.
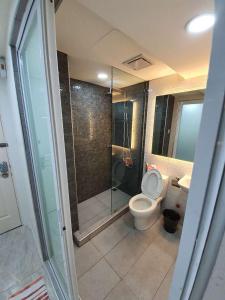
68	134
91	113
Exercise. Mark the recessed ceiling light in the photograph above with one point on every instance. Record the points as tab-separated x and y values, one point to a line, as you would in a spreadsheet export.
102	76
200	23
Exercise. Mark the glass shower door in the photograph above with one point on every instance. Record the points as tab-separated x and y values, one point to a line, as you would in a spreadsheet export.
129	99
39	126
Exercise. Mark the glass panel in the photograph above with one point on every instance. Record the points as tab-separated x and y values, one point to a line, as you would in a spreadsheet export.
91	112
188	130
108	119
128	122
38	118
122	123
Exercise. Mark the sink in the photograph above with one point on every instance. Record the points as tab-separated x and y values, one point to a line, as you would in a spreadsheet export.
185	183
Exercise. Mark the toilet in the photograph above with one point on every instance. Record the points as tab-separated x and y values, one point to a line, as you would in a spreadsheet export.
145	207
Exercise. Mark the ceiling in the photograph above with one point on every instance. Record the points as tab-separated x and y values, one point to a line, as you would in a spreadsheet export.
190	95
97	34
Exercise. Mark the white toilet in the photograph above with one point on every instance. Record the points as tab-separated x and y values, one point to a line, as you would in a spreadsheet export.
145	207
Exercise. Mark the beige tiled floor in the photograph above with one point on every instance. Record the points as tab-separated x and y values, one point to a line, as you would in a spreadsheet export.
121	263
98	207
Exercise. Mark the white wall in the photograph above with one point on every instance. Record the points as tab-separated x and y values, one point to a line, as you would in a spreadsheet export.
169	166
13	133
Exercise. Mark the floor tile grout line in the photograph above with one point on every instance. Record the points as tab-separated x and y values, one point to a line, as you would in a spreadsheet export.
117	241
171	266
94	217
114	245
113	268
87	204
94	266
147	246
98	200
106	208
138	258
78	277
83	209
112	289
102	256
121	278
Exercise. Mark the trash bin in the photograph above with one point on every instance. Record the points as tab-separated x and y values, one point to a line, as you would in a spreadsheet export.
171	219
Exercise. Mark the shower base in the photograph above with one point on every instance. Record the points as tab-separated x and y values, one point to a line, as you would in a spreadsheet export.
85	233
82	238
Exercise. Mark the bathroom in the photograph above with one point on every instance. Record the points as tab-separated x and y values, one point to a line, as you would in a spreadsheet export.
110	186
117	126
102	145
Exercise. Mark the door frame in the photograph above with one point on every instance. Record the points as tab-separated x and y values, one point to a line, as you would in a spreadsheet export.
180	106
189	282
51	60
195	232
47	11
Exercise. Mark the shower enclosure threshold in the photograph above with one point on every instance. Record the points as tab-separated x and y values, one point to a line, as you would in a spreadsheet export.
82	238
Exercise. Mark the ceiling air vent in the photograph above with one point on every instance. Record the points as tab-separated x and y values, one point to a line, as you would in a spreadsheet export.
137	63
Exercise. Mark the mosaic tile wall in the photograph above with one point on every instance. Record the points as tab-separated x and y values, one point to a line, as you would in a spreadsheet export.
91	113
68	134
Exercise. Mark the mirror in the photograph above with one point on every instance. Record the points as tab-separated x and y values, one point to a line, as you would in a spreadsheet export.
176	124
122	123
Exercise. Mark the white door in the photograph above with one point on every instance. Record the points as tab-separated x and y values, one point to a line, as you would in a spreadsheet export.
9	213
40	106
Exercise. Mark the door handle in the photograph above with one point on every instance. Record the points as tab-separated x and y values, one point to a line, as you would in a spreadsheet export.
4	169
3	145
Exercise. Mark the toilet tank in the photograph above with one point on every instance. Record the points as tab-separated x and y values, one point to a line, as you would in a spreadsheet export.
165	179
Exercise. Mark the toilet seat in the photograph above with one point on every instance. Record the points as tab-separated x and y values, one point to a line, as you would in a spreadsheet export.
152	184
145	206
143	210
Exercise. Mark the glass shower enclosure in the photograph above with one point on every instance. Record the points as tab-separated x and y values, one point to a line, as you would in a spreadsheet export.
129	101
108	120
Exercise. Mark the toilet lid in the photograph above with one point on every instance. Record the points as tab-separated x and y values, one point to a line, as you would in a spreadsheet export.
152	184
